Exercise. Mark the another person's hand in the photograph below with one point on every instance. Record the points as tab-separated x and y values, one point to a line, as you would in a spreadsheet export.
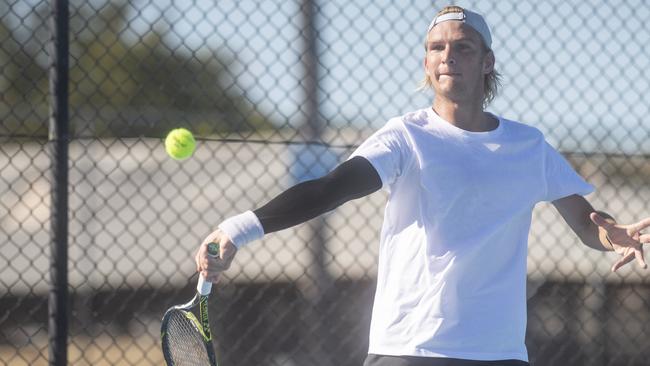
211	266
626	240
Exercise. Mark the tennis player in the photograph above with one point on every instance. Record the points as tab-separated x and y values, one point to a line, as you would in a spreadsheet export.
462	184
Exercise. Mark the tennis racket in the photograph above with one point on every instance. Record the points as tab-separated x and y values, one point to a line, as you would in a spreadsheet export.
186	340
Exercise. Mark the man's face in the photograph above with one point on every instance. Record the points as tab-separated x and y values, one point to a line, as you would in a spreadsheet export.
456	62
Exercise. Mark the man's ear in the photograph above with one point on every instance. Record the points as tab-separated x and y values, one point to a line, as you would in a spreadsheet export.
488	62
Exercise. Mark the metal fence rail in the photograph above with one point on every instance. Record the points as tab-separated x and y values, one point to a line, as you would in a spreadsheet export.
254	80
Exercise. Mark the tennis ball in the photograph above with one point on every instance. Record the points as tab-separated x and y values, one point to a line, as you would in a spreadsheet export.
180	143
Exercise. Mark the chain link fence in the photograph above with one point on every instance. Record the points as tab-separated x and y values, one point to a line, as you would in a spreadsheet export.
259	82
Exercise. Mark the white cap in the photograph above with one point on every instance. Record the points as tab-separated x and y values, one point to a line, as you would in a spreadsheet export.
468	17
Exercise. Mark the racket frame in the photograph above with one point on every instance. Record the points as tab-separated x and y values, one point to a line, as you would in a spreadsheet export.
202	325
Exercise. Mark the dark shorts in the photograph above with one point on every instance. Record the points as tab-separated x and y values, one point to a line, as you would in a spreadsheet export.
379	360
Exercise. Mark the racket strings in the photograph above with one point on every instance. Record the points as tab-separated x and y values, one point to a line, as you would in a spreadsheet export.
183	342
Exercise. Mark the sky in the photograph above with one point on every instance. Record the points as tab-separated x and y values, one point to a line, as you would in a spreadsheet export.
567	66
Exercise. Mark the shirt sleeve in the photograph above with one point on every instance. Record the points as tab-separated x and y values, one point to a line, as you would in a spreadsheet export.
561	180
389	152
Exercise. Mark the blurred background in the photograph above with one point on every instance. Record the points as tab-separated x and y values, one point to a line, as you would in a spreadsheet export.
278	92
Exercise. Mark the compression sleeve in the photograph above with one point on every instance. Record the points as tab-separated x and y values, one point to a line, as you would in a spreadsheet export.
352	179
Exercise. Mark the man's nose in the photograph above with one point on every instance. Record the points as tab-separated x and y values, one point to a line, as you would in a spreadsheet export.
448	57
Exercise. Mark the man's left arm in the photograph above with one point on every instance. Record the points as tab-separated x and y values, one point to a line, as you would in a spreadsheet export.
600	231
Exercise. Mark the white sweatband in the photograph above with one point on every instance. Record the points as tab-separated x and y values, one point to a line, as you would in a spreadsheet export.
242	228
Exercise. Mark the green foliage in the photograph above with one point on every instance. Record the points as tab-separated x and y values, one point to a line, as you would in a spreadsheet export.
121	88
23	89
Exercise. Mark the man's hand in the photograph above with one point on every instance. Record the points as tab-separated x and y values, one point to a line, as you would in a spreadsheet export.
212	266
627	240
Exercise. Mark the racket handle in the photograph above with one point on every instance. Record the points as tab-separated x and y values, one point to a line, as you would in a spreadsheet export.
204	287
213	249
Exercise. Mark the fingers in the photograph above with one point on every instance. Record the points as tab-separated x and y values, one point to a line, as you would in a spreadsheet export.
644	238
212	272
197	260
201	257
635	228
638	254
601	221
213	277
211	266
627	258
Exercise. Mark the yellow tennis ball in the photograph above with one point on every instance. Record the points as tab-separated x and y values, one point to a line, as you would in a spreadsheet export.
180	143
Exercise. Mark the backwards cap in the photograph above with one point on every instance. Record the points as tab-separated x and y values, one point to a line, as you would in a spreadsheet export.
468	17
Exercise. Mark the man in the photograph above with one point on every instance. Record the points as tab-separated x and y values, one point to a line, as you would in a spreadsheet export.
462	184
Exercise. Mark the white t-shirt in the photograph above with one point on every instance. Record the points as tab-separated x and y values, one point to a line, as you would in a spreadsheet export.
452	260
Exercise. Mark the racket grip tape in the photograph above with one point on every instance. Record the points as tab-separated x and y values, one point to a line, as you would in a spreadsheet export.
213	249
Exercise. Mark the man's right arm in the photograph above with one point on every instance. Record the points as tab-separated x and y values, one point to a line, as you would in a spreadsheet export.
352	179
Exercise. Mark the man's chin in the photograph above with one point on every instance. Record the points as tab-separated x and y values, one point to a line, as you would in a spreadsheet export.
450	90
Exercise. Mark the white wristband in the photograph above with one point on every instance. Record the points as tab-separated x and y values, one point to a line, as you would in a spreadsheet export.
242	229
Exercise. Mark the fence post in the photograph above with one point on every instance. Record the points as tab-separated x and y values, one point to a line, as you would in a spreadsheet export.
58	137
315	285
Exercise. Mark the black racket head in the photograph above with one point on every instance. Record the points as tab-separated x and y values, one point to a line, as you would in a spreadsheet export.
184	343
